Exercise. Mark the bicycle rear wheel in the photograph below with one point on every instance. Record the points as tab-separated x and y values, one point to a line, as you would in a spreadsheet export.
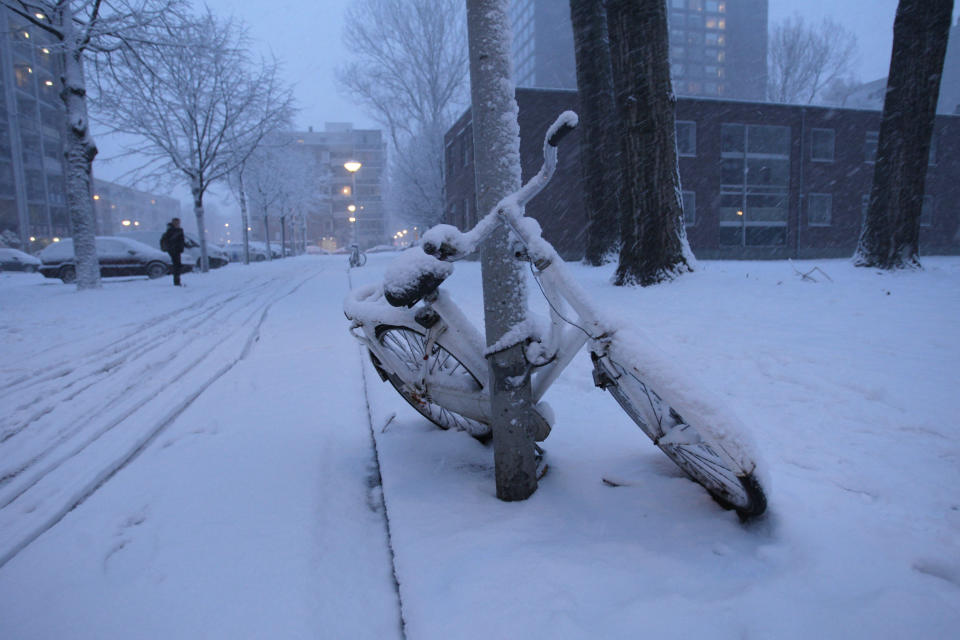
409	348
703	459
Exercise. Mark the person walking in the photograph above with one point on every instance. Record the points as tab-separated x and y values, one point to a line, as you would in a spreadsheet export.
173	243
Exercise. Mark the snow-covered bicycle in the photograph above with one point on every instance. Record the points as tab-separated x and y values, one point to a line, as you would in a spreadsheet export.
357	258
423	344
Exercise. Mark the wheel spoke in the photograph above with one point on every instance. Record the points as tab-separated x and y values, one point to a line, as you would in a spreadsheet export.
409	347
703	461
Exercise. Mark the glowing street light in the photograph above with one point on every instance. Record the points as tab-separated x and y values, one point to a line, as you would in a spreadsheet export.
352	166
125	223
351	208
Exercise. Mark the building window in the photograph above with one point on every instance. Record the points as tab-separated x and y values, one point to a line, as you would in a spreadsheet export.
822	145
926	212
754	176
819	209
870	146
689	208
686	138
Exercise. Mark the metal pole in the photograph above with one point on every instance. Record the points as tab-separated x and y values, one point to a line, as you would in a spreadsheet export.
496	148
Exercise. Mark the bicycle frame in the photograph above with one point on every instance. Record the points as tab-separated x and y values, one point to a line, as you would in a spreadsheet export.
367	308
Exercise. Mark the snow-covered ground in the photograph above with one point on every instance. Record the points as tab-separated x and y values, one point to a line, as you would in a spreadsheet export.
198	463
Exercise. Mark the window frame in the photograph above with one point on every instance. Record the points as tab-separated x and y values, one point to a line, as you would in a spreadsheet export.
689	219
691	125
829	200
833	145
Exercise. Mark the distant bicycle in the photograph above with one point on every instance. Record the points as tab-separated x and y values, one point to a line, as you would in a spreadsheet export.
422	343
357	258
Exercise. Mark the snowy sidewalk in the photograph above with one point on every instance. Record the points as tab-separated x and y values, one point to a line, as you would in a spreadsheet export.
251	514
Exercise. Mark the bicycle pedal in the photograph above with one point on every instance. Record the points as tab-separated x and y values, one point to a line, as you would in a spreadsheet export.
601	379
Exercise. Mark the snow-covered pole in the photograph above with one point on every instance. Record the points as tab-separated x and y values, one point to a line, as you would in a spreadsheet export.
496	145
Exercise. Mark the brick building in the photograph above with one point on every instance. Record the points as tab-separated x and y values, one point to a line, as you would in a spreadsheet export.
759	180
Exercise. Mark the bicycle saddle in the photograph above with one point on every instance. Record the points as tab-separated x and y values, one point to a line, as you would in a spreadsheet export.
413	276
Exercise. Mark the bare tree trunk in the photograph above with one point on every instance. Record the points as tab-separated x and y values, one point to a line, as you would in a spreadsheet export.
197	192
496	143
283	237
598	117
890	238
79	151
266	234
244	218
653	245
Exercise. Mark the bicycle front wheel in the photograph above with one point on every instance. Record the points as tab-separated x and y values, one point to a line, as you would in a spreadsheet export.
706	461
409	348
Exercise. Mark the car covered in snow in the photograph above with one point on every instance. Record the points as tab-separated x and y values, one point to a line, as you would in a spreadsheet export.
235	252
16	260
118	257
191	253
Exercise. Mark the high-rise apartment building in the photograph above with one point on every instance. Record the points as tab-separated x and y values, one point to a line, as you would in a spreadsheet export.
345	195
32	202
718	48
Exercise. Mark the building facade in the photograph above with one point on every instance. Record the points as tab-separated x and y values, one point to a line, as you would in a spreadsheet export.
718	48
119	208
759	180
344	195
32	201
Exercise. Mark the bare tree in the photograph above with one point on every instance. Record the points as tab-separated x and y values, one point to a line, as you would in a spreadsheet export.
804	60
890	237
281	181
653	241
198	107
410	70
598	145
84	30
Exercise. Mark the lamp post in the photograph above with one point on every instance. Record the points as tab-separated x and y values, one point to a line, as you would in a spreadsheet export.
353	166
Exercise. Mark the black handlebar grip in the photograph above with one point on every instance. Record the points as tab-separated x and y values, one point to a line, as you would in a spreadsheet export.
560	133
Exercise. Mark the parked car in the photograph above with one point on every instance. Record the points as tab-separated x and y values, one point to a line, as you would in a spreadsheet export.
16	260
235	253
262	247
118	257
215	255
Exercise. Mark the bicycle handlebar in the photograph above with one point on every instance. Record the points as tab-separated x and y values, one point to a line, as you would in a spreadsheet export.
445	242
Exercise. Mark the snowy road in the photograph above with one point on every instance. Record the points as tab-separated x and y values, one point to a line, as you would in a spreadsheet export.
149	426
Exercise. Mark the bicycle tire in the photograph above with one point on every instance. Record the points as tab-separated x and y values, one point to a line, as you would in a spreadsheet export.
409	346
362	259
704	460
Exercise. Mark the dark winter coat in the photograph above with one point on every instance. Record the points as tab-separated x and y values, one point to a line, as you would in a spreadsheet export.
172	240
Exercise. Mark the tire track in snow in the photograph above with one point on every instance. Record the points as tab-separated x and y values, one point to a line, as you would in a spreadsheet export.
103	373
117	400
49	517
60	368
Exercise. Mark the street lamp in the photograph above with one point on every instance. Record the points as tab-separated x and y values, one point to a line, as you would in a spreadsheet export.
352	166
